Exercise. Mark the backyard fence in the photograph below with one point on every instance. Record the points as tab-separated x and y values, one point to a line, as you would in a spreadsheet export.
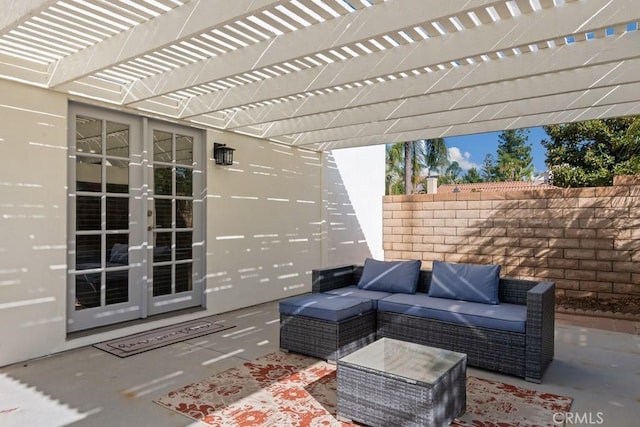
587	240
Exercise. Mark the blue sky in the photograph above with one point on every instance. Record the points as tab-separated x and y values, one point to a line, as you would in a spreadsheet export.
470	150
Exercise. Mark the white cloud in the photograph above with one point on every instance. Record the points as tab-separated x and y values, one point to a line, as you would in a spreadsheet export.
463	159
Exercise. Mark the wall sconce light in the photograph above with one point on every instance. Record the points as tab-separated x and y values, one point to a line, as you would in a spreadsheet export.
222	154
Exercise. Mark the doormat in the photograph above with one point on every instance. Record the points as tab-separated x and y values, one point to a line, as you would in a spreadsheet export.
145	341
291	390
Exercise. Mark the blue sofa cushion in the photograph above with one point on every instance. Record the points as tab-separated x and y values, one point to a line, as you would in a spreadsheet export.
466	282
505	317
390	276
354	291
333	308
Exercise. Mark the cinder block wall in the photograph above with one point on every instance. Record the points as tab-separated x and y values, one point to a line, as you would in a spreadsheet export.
587	240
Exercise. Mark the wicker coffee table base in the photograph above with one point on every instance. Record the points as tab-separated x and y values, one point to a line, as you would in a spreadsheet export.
377	399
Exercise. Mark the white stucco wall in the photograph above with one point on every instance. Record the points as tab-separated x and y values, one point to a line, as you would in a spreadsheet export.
353	191
279	212
263	222
270	218
33	228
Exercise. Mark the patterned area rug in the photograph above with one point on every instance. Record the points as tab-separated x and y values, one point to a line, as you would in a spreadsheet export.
287	389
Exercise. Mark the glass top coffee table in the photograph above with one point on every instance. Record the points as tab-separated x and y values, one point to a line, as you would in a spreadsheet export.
392	382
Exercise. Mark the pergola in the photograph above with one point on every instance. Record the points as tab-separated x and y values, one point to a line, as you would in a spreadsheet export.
325	74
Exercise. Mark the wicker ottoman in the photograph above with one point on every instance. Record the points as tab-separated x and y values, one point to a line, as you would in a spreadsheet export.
326	326
396	383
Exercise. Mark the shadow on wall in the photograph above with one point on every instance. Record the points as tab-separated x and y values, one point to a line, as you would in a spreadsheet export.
266	229
351	213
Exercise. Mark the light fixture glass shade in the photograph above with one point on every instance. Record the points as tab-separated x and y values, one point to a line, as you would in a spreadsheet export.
222	154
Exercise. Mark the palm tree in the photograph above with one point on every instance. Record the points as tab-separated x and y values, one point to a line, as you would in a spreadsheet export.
408	169
395	168
436	154
405	162
418	162
429	154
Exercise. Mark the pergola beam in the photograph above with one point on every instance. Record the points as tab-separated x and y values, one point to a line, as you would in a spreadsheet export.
375	72
567	116
499	36
15	12
10	66
508	109
344	30
404	97
181	23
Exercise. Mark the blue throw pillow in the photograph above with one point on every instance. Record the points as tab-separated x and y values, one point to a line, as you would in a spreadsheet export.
466	282
390	276
119	254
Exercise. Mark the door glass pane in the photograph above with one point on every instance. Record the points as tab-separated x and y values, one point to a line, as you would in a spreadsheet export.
162	280
117	176
162	148
117	213
88	251
117	289
88	213
118	250
184	150
184	214
162	246
117	139
162	180
184	182
88	135
87	290
163	213
88	174
183	277
183	245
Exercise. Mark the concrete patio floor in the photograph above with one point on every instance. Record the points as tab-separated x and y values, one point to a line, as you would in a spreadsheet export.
599	368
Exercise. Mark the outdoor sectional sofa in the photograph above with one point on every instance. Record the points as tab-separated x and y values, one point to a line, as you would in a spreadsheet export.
501	324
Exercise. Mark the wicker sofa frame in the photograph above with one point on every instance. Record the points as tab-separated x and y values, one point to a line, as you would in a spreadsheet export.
525	355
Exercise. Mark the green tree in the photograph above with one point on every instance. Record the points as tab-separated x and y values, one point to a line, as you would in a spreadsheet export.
451	174
514	156
472	176
591	153
488	169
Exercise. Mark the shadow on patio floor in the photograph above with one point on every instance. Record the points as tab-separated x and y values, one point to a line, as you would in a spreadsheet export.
596	363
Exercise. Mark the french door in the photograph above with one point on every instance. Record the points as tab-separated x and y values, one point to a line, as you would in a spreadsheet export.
135	218
174	219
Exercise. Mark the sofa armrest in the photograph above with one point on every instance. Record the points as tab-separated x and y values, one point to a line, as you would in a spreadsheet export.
326	279
541	307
